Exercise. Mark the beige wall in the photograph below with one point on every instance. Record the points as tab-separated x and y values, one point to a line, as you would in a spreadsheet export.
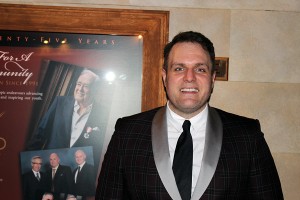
262	40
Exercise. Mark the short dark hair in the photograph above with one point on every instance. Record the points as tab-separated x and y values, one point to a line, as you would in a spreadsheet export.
194	37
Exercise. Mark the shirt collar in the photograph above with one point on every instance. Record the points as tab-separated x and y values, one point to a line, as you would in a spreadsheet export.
81	165
197	122
76	107
35	172
56	167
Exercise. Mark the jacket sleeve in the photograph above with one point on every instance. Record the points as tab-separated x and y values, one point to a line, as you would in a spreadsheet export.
39	139
264	181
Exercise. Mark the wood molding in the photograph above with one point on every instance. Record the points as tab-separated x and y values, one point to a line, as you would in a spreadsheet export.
152	25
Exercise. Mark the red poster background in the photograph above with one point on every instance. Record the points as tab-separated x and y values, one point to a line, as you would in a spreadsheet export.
23	53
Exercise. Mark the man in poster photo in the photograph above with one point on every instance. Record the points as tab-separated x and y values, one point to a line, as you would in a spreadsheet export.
58	178
48	196
83	177
34	181
73	121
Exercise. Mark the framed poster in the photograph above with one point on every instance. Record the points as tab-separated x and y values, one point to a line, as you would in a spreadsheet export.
44	53
222	68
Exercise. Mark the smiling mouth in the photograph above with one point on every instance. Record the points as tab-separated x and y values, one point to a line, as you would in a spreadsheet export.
189	90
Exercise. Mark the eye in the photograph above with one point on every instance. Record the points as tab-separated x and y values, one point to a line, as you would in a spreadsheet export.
178	69
86	86
200	70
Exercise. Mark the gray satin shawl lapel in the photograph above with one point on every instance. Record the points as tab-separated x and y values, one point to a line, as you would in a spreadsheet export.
211	154
161	153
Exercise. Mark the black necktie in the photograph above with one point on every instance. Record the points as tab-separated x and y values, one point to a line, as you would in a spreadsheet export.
78	171
38	176
183	162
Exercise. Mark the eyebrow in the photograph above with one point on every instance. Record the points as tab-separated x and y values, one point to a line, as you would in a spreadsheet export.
177	64
183	65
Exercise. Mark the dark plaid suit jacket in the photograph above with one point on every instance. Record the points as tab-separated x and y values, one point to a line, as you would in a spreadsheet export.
237	163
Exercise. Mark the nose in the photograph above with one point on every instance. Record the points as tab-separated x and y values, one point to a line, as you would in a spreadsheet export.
189	75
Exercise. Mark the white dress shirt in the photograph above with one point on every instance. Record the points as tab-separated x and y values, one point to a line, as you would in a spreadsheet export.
54	170
78	122
37	174
198	127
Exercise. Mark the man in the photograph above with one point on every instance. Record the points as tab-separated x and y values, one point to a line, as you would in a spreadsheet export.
74	121
83	177
58	178
33	181
229	158
48	196
71	197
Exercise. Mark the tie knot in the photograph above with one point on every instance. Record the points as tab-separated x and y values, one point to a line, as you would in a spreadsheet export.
186	125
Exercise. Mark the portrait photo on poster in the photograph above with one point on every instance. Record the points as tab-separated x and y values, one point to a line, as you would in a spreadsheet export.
81	81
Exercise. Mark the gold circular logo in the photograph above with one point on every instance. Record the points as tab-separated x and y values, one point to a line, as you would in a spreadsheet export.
2	143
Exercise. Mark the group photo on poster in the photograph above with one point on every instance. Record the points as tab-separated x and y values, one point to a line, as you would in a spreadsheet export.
61	172
61	95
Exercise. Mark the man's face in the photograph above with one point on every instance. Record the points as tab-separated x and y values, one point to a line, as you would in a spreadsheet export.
189	80
54	160
48	197
83	93
80	157
36	164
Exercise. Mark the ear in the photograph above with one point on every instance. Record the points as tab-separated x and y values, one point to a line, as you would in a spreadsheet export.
164	76
213	78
